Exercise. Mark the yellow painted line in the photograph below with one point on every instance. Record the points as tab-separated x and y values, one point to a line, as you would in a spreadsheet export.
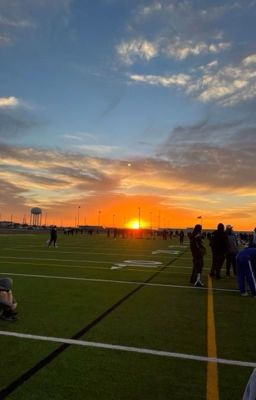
212	387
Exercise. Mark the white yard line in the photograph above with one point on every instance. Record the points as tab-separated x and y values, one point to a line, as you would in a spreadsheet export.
129	349
115	281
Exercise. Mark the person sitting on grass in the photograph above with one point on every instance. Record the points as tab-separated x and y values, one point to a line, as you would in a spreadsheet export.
8	303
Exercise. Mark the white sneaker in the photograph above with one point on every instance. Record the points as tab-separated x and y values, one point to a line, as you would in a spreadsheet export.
245	294
198	283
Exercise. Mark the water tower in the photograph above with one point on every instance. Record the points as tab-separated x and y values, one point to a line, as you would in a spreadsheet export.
35	216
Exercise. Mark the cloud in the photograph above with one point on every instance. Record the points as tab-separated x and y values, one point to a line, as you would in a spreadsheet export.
181	49
172	47
137	48
18	15
167	81
151	9
220	156
99	150
9	102
226	85
15	23
186	176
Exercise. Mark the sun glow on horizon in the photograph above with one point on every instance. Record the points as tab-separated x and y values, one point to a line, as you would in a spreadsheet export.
136	224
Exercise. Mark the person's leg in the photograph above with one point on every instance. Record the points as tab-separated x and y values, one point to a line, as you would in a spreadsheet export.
233	263
198	271
193	275
228	264
240	276
213	268
219	263
251	279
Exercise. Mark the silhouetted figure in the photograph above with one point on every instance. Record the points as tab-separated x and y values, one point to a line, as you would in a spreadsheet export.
53	236
232	250
198	251
181	237
218	245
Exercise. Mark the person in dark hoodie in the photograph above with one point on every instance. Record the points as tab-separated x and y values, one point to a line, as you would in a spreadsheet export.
218	245
198	251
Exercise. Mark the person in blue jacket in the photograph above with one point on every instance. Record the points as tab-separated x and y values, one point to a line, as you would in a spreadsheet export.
246	270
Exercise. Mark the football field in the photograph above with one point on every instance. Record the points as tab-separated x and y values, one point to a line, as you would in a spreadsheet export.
117	319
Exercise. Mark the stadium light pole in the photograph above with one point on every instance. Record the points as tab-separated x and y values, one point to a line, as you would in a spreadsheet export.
139	216
114	220
99	212
78	208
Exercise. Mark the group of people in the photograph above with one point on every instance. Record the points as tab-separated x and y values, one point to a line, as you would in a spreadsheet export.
224	246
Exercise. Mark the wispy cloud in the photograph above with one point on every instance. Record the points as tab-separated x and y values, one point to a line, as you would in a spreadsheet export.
22	23
4	40
227	85
181	49
167	81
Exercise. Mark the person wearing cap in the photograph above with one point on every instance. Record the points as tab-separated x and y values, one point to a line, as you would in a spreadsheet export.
8	303
246	270
231	251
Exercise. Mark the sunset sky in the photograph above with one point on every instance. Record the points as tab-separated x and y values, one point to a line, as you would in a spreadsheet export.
111	109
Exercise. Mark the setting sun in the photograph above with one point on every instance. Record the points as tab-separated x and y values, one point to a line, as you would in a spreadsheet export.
136	224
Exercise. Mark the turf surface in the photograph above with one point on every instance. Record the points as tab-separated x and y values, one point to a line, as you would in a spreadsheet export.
73	292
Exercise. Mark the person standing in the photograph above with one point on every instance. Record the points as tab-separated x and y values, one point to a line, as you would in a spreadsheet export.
53	236
246	270
218	245
198	251
181	234
232	250
252	240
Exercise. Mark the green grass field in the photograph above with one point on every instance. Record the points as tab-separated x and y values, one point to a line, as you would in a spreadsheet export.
72	292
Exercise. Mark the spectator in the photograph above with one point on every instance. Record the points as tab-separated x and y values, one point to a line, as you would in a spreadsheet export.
252	241
198	251
8	303
232	250
218	245
53	236
181	234
246	269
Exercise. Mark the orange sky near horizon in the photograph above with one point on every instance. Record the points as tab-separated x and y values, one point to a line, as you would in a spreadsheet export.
111	192
125	212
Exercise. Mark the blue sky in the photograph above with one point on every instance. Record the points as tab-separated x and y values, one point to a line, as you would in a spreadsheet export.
90	86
